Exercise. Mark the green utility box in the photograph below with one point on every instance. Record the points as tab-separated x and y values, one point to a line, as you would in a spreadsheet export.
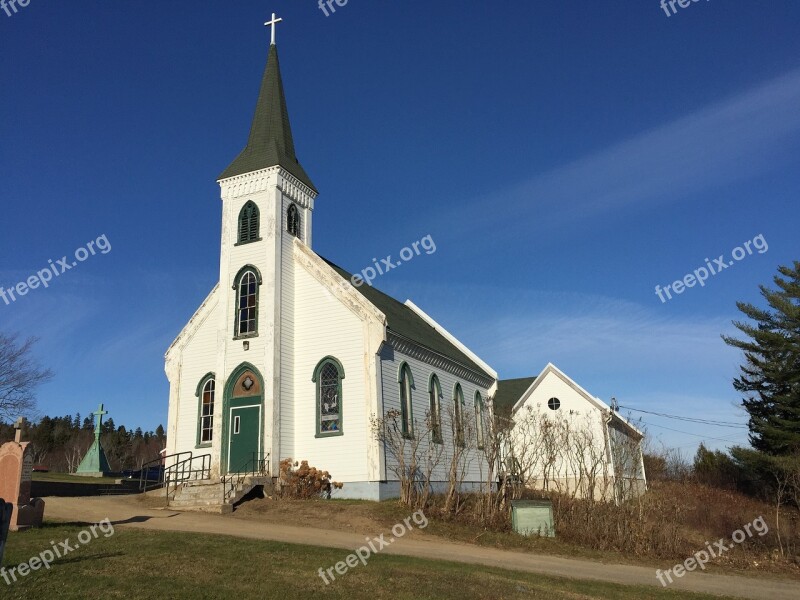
533	517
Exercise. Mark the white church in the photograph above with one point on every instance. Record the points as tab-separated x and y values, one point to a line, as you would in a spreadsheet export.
285	358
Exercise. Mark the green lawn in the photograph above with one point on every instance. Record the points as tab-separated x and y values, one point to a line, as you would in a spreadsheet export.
144	564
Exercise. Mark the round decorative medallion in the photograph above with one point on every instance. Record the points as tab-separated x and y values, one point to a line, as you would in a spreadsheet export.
248	383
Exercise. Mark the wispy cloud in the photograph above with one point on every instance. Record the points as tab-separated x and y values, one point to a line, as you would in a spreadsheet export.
728	141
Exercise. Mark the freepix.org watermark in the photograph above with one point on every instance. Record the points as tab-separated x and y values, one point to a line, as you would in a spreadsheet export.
699	559
55	269
56	551
668	5
369	274
374	546
701	274
11	5
329	6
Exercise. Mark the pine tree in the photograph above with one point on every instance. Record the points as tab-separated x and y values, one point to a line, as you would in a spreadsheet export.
770	376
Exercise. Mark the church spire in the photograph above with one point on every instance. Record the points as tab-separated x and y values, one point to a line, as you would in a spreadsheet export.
270	143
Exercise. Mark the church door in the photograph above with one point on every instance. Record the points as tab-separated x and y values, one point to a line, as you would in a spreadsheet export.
245	429
243	420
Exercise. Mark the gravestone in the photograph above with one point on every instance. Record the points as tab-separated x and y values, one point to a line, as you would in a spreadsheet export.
95	463
16	471
6	509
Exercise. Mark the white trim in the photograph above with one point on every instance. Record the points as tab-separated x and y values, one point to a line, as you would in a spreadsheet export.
594	400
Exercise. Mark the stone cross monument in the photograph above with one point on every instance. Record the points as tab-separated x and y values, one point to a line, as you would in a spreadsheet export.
95	464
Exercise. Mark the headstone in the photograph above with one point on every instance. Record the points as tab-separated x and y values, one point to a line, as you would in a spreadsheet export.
6	509
95	463
16	471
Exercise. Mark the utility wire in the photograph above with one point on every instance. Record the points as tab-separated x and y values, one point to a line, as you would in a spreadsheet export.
689	419
705	437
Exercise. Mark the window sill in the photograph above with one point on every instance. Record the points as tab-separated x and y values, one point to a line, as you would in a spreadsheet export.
331	434
204	445
247	242
245	336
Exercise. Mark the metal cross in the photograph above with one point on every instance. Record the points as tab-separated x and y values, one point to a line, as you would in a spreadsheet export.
98	422
272	23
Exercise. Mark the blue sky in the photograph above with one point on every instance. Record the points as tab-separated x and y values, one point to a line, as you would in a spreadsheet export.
565	157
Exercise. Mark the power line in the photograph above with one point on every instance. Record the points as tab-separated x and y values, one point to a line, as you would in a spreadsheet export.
690	419
705	437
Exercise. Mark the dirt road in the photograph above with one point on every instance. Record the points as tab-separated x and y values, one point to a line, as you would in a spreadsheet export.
125	511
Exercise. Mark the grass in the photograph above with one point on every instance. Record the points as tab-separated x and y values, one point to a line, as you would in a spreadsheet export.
69	478
144	564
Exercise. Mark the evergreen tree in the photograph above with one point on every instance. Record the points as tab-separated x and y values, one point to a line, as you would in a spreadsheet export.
770	376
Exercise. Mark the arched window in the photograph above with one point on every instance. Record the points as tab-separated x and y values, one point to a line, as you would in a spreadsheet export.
205	426
248	223
435	392
246	285
458	413
406	382
479	419
293	221
328	376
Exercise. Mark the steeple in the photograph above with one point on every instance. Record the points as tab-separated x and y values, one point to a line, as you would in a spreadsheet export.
270	143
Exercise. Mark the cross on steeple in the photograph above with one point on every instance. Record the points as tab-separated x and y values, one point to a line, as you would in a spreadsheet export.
272	24
98	419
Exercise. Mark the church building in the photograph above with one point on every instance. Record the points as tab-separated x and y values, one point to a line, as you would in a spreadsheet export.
286	358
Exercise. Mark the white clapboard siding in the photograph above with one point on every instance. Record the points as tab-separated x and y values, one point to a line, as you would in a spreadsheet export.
324	326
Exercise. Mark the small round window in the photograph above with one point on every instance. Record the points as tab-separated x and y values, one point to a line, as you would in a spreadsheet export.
553	403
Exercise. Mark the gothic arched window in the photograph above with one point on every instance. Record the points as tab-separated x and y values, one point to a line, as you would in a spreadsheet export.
248	223
458	414
293	224
479	423
328	376
205	425
246	286
435	392
406	382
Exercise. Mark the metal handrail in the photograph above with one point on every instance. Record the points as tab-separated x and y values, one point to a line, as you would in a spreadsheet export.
258	464
144	483
185	470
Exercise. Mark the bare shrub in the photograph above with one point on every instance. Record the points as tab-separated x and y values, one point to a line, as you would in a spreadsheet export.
298	480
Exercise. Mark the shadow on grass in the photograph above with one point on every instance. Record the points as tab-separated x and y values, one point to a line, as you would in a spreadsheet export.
78	559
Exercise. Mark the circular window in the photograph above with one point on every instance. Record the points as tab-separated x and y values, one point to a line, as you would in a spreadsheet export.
248	383
553	403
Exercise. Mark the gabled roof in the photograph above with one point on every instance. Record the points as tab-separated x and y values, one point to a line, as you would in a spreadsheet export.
270	143
508	392
406	323
593	400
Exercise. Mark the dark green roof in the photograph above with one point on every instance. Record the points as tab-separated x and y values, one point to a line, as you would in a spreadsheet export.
509	391
270	142
405	322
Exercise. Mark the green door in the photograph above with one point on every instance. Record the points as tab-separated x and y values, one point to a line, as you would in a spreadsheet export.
244	434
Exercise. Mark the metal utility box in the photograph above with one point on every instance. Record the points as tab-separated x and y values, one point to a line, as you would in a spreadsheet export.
533	517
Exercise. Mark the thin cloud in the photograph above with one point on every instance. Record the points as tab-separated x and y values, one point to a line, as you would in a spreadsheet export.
728	141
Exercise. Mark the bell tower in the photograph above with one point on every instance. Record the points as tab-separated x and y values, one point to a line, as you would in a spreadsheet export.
267	204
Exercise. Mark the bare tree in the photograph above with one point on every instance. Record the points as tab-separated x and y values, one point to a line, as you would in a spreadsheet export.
19	376
413	456
463	446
